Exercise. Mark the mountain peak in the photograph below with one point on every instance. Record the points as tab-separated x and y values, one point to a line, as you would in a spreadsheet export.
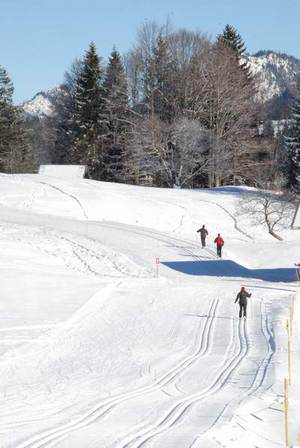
42	104
276	72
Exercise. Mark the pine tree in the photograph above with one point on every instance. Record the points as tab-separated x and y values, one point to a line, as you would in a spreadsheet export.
89	121
292	145
233	39
230	42
118	115
64	115
16	154
6	87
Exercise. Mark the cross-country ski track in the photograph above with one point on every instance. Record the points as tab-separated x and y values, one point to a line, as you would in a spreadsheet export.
97	351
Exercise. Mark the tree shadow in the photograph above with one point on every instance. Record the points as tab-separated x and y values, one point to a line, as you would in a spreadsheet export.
228	268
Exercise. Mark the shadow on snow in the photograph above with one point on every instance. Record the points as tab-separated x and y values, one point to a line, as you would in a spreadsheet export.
228	268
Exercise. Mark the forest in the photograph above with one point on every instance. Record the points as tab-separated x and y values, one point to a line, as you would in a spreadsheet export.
178	110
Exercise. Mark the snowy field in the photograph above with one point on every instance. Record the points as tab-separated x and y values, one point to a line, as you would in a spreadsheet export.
96	351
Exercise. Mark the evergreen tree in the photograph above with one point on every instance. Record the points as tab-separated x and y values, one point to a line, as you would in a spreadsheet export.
118	114
6	87
15	147
16	154
89	120
231	45
233	39
292	145
64	115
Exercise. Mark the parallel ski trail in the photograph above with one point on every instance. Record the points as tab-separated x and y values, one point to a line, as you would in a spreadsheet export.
179	409
266	361
261	371
107	405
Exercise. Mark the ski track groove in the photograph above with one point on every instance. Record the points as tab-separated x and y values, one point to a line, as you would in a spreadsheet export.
261	370
100	410
266	361
67	194
237	228
83	254
86	266
93	254
179	409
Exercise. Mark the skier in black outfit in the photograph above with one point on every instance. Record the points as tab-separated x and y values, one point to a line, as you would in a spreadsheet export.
242	297
203	234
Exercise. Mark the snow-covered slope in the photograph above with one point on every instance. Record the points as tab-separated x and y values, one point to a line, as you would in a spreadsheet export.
98	351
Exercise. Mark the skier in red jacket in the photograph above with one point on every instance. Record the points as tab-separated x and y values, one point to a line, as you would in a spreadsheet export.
220	243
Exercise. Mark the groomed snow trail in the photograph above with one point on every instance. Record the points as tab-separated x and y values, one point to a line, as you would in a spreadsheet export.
125	359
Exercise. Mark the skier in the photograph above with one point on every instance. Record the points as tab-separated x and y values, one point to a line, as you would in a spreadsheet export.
203	234
242	297
220	243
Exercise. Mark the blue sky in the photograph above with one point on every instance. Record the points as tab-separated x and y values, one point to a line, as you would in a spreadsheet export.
39	39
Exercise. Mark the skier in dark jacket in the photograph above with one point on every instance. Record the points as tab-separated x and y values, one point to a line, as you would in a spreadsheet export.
242	297
203	234
220	243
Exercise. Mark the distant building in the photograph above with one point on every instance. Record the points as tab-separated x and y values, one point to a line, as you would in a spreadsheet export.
63	171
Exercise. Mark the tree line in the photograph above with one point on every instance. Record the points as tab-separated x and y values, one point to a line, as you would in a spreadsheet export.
178	110
16	152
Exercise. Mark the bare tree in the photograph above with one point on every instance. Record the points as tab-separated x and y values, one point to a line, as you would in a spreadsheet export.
181	48
221	99
176	152
190	142
137	59
275	210
182	75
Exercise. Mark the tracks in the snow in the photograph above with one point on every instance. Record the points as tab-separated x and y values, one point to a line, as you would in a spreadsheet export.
266	361
231	216
179	409
188	247
237	350
50	437
83	253
71	196
261	370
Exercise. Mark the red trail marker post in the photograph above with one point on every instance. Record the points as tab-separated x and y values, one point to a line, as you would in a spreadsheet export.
157	263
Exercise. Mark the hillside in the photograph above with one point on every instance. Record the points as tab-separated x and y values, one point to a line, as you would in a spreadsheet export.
99	351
